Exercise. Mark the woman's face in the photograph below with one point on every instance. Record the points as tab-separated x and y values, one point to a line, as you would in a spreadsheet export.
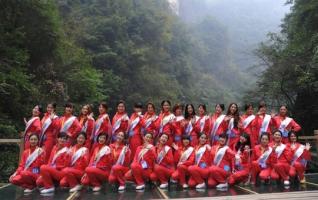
166	107
49	108
68	110
33	141
222	141
84	110
61	141
121	108
262	110
189	109
283	111
264	140
250	110
163	139
277	137
150	109
36	111
203	138
178	112
101	109
147	138
102	139
293	138
201	110
80	139
185	142
218	109
242	139
120	137
233	109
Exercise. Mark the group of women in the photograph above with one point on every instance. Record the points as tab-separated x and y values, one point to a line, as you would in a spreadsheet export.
193	150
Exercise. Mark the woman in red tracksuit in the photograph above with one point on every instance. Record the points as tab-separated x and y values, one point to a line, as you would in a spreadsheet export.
164	166
232	119
199	172
120	120
164	122
134	129
50	127
178	124
190	121
247	121
100	164
143	163
284	157
78	160
242	162
87	122
121	161
263	160
184	157
148	121
33	125
29	167
53	170
301	155
217	124
222	157
285	124
203	123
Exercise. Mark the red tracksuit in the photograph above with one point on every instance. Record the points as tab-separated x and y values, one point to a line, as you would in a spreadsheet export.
219	174
182	166
164	166
87	124
292	125
189	130
119	167
148	123
142	165
119	124
33	126
74	172
164	125
134	133
247	126
298	164
233	134
264	172
26	177
257	124
281	168
241	166
200	170
72	131
49	133
221	129
53	170
178	129
98	170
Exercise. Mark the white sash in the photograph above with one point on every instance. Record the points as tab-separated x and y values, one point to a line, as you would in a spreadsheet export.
298	153
165	121
265	124
133	124
63	150
216	125
144	151
279	150
202	123
78	154
162	154
31	158
99	123
190	125
29	123
150	120
219	155
263	158
47	124
199	154
121	157
118	122
186	154
102	152
283	126
248	120
84	128
68	124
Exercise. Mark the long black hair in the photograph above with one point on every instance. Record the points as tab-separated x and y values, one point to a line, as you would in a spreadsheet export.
240	146
186	113
236	114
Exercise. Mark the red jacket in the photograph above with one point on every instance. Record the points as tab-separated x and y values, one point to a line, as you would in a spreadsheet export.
164	123
105	162
257	152
74	129
223	126
116	151
148	123
227	159
291	126
60	161
205	160
242	160
105	127
167	160
34	127
82	162
178	129
52	131
178	154
87	125
149	157
123	123
286	155
35	166
249	128
202	125
305	155
136	130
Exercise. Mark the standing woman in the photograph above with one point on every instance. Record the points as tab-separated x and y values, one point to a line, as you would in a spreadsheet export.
203	123
285	124
164	122
102	124
218	125
190	121
143	163
29	168
149	119
199	172
247	121
232	118
301	155
100	164
87	122
121	161
178	124
164	166
78	160
33	125
120	120
50	127
69	124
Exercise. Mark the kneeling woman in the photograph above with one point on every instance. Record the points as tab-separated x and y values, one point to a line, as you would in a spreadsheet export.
143	163
301	154
199	172
53	170
100	164
29	167
121	159
78	160
164	166
222	157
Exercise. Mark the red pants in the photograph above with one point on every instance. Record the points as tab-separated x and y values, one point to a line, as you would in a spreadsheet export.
197	175
138	174
297	169
134	142
95	176
162	173
180	174
48	175
217	175
72	177
117	174
25	179
281	170
257	170
239	176
47	147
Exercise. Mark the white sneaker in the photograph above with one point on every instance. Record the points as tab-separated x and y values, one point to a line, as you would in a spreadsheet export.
48	190
222	185
28	190
76	188
163	186
41	188
96	189
286	182
121	188
173	181
185	186
200	186
140	187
